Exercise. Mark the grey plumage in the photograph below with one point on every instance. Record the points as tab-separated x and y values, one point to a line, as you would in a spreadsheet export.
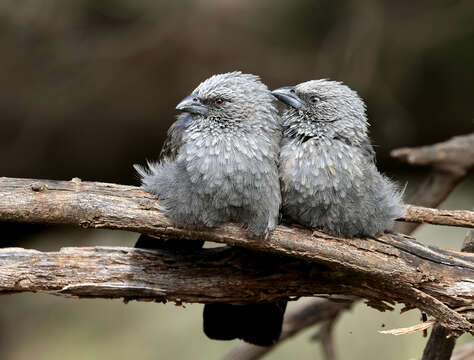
219	163
328	175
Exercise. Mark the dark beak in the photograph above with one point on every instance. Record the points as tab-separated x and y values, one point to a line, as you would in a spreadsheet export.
191	104
287	95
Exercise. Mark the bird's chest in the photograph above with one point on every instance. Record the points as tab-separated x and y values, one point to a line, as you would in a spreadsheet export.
311	167
226	163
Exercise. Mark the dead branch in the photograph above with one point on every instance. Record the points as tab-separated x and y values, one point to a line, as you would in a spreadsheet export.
452	156
102	205
419	214
440	345
383	270
409	330
451	161
432	191
325	335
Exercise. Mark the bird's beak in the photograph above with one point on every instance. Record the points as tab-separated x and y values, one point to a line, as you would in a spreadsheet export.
191	104
287	95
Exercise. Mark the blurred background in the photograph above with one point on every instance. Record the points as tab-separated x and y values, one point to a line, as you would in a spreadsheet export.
88	87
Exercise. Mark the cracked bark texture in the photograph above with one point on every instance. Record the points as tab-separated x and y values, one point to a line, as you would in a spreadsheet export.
383	270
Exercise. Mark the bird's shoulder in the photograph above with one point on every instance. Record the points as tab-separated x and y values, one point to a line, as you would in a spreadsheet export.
365	147
174	138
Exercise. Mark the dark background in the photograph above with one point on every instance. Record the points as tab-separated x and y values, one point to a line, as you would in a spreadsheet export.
89	87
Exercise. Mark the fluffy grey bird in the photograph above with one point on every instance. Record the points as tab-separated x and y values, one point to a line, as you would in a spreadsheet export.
220	164
327	169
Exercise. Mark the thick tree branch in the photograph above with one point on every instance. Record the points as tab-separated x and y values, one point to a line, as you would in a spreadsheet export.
383	271
102	205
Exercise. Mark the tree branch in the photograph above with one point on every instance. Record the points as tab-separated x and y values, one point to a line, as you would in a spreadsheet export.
102	205
383	271
451	161
455	156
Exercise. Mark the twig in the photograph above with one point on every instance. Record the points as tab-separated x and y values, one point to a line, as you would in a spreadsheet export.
304	315
410	329
325	336
418	214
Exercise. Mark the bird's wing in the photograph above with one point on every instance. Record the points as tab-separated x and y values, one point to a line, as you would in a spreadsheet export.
174	139
368	149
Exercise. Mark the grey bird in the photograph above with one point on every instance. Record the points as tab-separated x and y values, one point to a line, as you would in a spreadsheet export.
329	179
219	164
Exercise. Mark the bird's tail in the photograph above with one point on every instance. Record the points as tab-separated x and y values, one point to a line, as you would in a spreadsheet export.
148	242
258	324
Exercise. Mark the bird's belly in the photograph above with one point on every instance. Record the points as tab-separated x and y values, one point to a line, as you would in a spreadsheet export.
229	178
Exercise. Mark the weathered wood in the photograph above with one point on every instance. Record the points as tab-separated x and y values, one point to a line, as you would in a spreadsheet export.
102	205
420	214
390	267
450	162
436	283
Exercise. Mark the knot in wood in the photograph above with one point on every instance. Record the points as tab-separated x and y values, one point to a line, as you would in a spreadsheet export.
38	186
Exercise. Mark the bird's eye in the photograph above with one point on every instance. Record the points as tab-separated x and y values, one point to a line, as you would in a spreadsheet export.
218	101
314	99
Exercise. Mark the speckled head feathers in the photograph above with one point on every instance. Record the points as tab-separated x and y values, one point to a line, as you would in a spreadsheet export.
327	170
323	109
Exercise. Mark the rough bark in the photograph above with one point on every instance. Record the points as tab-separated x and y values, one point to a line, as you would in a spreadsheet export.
440	345
382	271
113	206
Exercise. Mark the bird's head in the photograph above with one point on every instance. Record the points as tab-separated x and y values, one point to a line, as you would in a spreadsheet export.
229	97
323	107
